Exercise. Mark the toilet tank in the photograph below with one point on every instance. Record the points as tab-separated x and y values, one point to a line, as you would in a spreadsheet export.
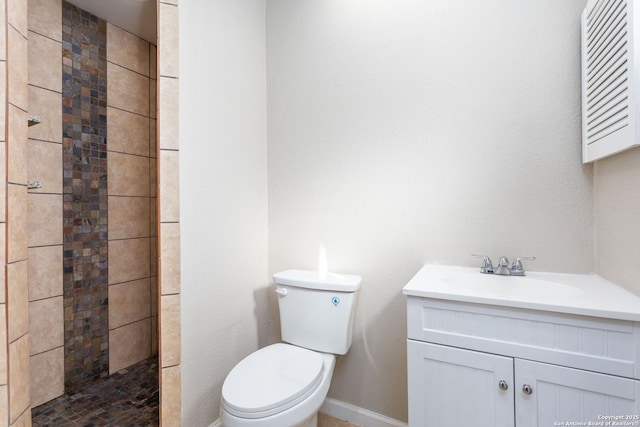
316	312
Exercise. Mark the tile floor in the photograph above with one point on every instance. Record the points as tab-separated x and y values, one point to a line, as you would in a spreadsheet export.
327	421
126	398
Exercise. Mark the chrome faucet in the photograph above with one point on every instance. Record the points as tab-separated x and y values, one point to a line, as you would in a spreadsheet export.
516	267
503	268
487	266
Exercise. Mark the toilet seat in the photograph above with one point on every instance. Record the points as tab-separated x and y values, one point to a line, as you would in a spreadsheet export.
271	380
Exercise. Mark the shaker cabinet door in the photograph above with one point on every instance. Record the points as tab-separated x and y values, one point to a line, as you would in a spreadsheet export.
454	387
548	395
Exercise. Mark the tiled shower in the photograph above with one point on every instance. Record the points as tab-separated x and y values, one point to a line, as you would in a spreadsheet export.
92	229
31	224
108	195
85	207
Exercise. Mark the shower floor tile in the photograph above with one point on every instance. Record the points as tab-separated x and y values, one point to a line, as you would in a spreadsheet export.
126	398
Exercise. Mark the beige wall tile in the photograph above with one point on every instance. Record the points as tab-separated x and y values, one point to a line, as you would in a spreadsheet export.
45	165
127	90
3	343
169	186
168	132
46	324
171	394
19	386
4	406
169	268
127	132
129	344
153	98
128	260
17	300
45	219
129	302
17	240
17	71
153	178
3	93
128	217
154	256
24	420
3	183
3	34
154	335
170	351
47	376
153	61
153	214
3	261
127	50
154	296
153	142
45	272
48	105
45	17
168	40
45	69
17	146
128	175
17	15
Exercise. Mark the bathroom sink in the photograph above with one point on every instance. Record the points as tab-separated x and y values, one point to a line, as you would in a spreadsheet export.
584	294
510	287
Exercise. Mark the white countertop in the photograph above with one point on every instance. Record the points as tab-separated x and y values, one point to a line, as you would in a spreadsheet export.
582	294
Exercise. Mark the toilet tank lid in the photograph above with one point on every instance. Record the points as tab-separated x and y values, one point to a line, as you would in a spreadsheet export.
313	280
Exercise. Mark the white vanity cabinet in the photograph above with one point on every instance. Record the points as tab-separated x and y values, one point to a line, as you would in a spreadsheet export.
451	386
565	394
472	363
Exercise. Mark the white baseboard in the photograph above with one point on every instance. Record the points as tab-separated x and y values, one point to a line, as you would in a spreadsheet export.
356	415
351	413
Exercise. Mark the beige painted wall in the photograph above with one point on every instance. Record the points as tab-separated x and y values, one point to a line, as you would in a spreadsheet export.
617	213
223	195
422	131
390	142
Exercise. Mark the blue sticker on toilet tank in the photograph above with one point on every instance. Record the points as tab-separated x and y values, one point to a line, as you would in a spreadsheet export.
335	301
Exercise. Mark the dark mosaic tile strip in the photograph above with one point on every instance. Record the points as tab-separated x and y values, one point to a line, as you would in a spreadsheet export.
126	398
84	103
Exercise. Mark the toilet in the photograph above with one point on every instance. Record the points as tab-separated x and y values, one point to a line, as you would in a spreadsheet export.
284	384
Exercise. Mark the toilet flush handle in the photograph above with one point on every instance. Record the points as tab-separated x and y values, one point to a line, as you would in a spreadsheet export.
281	291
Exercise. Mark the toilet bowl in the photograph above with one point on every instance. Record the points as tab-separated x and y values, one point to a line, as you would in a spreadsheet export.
278	386
284	384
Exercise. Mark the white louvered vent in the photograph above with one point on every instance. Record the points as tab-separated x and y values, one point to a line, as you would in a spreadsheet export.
607	69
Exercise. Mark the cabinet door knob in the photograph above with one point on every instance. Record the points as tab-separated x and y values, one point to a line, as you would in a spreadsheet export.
527	389
503	385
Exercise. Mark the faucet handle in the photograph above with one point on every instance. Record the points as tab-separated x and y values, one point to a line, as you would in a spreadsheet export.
487	266
503	267
516	267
